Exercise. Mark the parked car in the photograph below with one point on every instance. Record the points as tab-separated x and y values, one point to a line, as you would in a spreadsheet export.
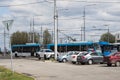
65	57
90	58
73	57
113	58
46	53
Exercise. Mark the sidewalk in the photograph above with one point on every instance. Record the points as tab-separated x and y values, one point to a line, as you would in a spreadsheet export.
4	57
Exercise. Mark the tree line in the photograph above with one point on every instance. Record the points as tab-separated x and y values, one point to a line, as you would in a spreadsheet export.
24	37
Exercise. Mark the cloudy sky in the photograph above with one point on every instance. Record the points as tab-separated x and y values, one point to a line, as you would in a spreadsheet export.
70	16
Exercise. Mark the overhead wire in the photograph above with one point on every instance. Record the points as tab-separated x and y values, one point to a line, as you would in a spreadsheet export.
59	0
23	4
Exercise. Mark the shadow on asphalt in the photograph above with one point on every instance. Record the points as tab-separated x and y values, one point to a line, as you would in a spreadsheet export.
105	65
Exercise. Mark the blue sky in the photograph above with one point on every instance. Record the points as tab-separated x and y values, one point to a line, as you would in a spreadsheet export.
100	13
4	10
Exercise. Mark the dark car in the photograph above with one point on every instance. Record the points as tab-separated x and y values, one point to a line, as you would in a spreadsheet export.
90	58
113	58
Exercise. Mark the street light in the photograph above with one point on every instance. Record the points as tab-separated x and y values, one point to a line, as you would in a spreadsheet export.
33	23
57	15
55	29
104	29
108	31
84	15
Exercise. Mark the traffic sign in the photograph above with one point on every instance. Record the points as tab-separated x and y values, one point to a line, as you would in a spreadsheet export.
8	24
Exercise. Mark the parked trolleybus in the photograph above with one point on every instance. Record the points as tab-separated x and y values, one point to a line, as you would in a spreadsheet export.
28	49
81	46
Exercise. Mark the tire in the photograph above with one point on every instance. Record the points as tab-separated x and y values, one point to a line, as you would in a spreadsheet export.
101	62
16	55
74	62
37	55
109	64
39	58
51	57
64	60
117	64
90	62
83	63
45	58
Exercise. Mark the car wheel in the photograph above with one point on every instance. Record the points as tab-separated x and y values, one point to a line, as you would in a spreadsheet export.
37	55
83	63
39	58
74	62
16	55
109	64
90	62
45	58
101	62
64	60
117	64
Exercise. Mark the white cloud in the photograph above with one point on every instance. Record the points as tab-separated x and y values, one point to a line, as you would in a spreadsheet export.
96	15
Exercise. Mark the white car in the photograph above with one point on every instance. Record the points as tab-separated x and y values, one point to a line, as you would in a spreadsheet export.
45	53
73	57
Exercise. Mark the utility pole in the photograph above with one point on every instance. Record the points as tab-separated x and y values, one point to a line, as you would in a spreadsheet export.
33	31
57	25
4	42
84	22
30	33
55	29
108	34
84	18
81	33
107	31
41	38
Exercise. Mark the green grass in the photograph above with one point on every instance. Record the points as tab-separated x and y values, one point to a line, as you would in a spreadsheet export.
6	74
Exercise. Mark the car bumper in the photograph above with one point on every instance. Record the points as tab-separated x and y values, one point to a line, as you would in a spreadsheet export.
83	61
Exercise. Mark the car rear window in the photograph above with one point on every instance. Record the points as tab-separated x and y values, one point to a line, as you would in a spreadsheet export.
83	54
48	51
76	53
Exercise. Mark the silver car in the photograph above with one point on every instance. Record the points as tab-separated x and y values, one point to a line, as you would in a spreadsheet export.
64	57
90	58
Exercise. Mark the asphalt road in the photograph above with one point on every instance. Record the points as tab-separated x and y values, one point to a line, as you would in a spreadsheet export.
49	70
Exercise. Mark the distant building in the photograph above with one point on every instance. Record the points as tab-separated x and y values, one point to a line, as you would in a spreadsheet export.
117	38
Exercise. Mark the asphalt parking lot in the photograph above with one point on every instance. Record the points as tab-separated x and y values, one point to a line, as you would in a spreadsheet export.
49	70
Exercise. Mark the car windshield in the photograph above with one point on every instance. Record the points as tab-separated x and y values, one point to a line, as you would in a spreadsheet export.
70	53
41	50
83	54
76	53
112	52
48	50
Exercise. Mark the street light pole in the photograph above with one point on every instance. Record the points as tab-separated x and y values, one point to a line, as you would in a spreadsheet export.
84	18
84	22
57	15
55	29
4	42
108	31
33	30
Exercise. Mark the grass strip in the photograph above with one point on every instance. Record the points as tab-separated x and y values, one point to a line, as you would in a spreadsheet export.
6	74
